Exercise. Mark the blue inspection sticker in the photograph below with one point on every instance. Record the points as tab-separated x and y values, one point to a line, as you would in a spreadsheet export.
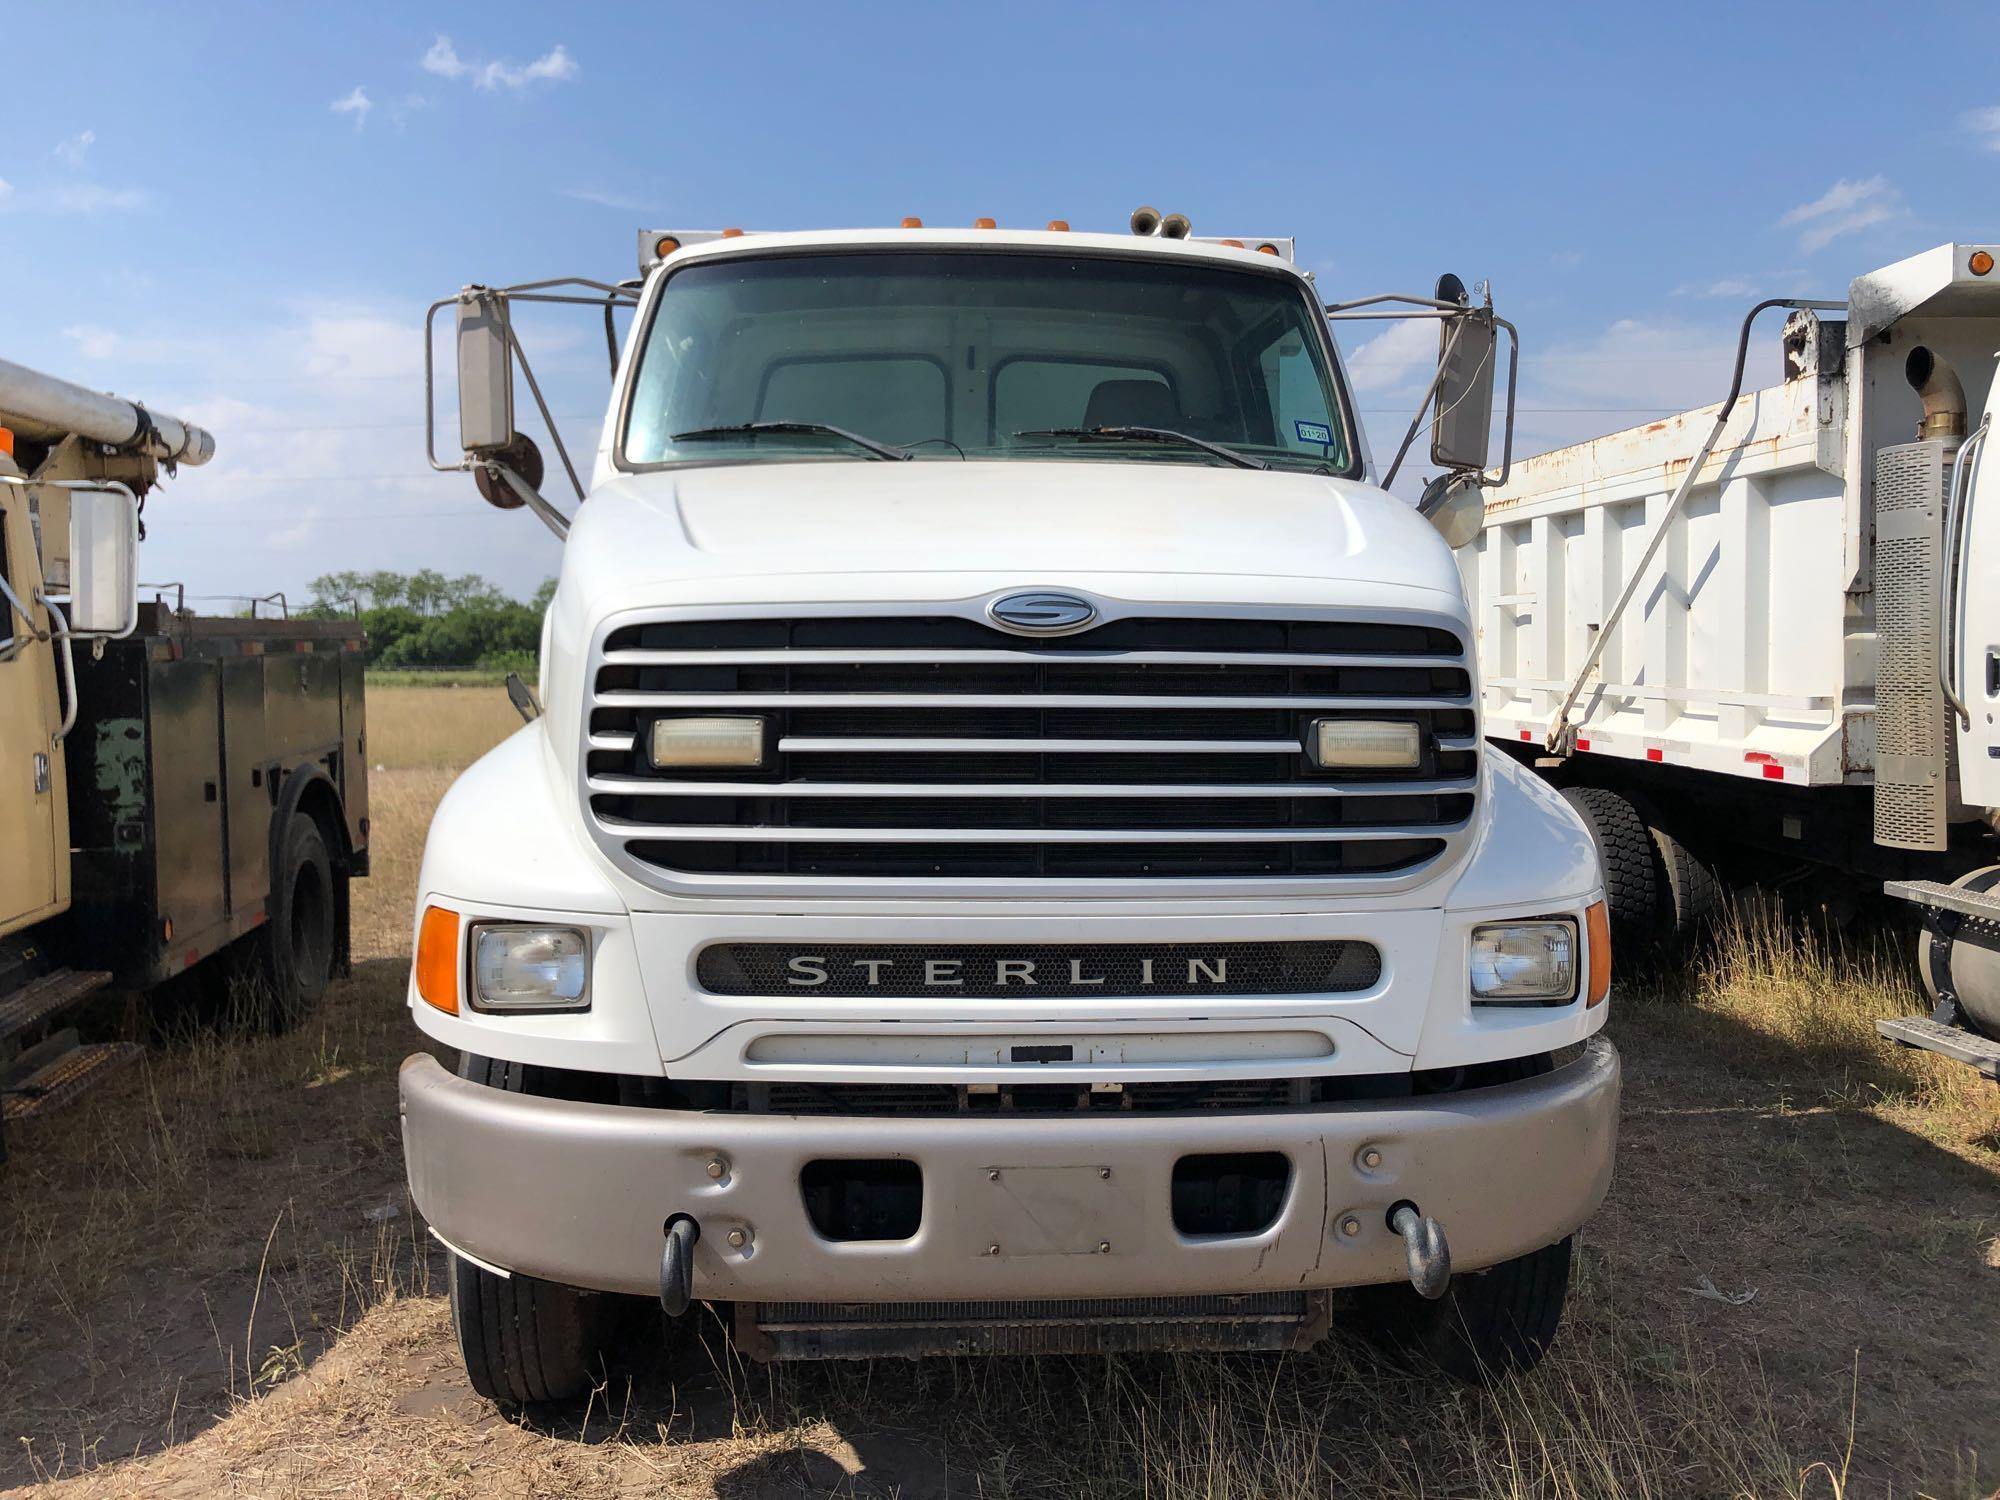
1314	432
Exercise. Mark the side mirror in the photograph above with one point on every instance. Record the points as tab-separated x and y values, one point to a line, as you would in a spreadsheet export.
1467	350
103	562
1457	508
485	373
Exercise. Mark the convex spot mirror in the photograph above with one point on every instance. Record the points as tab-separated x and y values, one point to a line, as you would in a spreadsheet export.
524	458
103	562
1468	346
1456	506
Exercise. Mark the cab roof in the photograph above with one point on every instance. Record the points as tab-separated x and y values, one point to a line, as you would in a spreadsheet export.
706	244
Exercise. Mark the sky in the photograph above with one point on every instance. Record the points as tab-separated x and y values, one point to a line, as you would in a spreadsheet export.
238	213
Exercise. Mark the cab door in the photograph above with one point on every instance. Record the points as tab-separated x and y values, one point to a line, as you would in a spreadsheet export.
34	868
1972	645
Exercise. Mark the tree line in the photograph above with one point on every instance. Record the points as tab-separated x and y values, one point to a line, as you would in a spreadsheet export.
425	619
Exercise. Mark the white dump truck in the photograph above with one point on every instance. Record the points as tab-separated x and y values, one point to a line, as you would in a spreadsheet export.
1005	860
1760	641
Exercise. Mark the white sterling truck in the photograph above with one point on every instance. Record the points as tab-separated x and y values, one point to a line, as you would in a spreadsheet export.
1759	642
1004	861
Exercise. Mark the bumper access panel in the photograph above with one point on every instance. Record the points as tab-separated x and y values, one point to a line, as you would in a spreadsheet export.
1012	1209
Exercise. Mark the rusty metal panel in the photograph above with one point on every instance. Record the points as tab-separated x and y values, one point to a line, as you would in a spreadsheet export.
185	775
247	781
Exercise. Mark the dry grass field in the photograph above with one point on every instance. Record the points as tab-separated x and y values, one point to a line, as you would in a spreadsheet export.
211	1283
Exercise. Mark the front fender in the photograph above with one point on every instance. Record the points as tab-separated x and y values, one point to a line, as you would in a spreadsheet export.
503	846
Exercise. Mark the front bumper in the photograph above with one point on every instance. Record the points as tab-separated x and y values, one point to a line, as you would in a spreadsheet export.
580	1193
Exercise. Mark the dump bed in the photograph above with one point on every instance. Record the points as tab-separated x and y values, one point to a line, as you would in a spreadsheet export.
1735	655
1750	646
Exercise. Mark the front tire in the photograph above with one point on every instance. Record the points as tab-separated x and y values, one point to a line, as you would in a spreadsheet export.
523	1340
1488	1325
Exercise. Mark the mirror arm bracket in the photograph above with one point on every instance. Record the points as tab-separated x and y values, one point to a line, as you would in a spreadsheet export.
546	513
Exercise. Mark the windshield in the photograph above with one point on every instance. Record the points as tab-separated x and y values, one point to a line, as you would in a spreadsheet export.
981	355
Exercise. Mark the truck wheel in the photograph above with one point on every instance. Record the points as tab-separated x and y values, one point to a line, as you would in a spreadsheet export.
300	941
1631	876
522	1340
1691	895
1487	1325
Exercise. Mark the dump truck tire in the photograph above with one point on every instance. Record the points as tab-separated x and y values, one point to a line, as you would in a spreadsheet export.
1632	878
522	1340
1691	896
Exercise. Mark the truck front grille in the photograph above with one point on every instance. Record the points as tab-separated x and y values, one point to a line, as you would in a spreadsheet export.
934	749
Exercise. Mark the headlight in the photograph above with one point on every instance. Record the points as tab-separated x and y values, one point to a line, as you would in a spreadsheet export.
706	742
1364	744
1532	962
520	967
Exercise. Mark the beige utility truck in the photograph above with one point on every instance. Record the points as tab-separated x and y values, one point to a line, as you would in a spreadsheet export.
172	789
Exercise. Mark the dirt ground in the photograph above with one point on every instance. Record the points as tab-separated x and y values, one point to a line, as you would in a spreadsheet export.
211	1282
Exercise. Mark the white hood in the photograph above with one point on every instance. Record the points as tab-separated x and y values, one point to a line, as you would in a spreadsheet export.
1042	521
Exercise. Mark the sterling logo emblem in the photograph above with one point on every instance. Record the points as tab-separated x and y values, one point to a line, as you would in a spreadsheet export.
1040	613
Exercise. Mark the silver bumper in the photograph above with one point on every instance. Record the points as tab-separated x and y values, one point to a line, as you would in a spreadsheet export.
579	1193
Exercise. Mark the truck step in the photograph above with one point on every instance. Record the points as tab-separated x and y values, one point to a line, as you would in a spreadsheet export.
1955	1042
1120	1325
64	1079
1935	895
41	998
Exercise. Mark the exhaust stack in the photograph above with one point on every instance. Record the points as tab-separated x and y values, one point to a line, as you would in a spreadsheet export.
1943	394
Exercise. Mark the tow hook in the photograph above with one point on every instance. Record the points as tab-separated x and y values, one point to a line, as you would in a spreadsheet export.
677	1265
1425	1248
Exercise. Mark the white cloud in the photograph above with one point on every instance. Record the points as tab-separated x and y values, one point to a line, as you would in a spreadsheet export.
1983	125
624	202
6	190
1566	260
553	66
76	147
356	103
399	114
75	198
443	60
1843	209
1395	357
1724	286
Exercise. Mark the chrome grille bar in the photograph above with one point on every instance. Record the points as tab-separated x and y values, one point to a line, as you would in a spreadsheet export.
646	786
705	833
617	698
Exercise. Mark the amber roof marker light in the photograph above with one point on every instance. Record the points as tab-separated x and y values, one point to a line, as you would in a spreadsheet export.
1981	262
911	221
667	246
983	223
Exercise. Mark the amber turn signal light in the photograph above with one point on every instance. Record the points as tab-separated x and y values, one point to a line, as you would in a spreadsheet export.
437	959
667	246
1981	262
1597	932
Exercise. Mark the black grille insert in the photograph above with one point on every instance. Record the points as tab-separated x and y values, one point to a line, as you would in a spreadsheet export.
1045	970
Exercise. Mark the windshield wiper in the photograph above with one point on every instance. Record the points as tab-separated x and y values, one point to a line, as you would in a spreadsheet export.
738	429
1151	435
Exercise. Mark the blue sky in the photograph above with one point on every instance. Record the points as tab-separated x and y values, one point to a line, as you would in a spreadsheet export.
238	212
